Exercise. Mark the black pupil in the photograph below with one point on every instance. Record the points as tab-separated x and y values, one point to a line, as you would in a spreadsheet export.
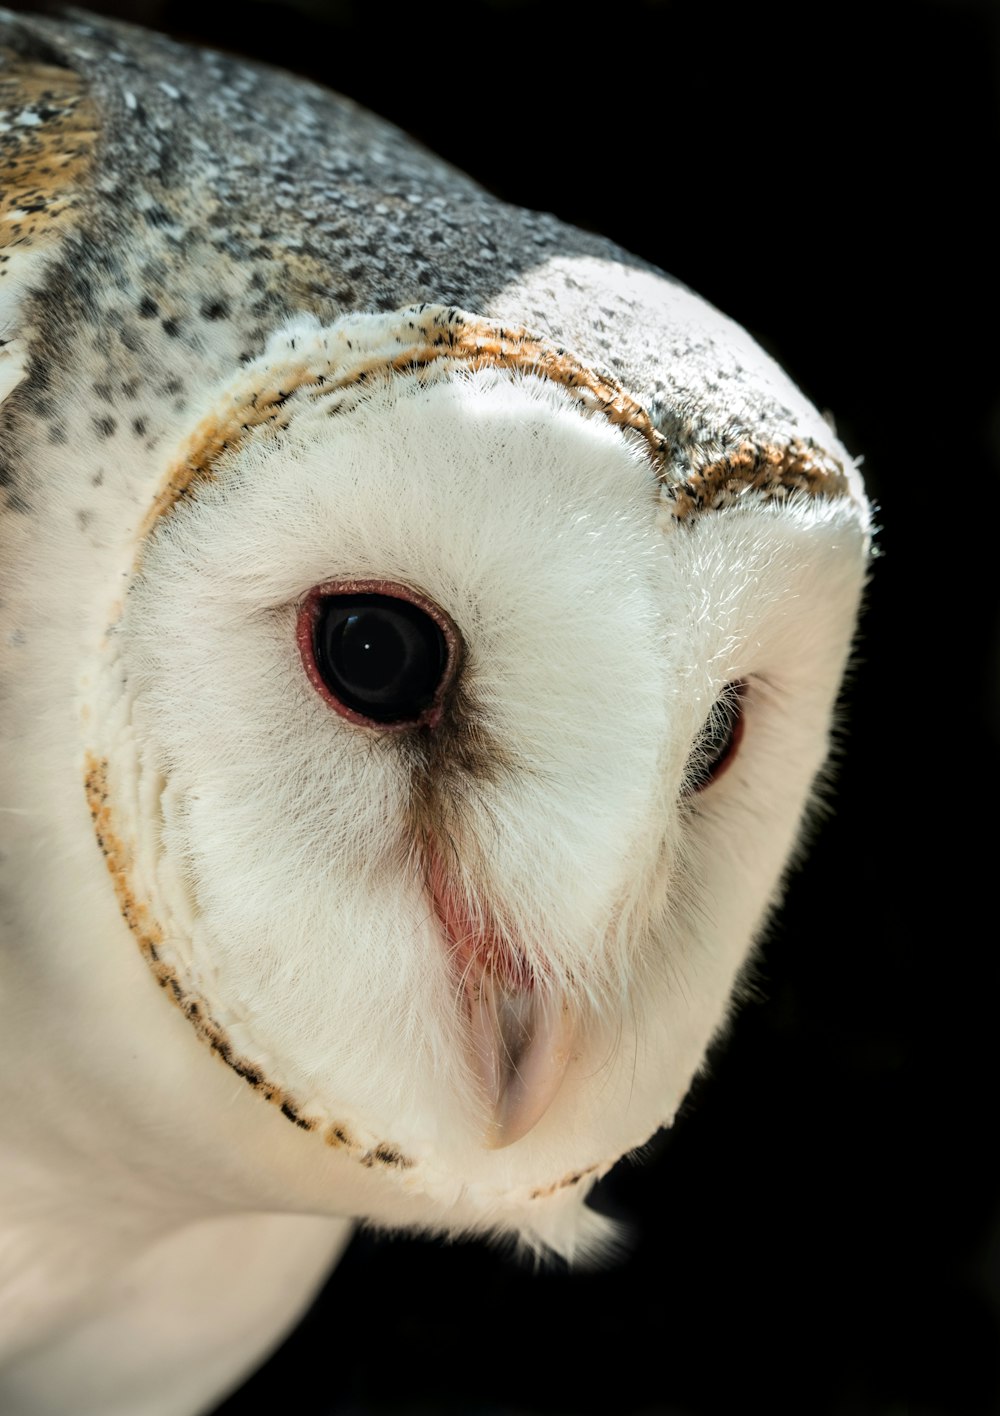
380	656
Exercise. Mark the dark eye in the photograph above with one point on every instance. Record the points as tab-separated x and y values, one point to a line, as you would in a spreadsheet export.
382	657
716	745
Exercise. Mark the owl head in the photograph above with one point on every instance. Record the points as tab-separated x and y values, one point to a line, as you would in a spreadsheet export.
445	706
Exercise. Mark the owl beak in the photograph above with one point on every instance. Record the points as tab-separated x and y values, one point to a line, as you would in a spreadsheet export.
520	1039
521	1047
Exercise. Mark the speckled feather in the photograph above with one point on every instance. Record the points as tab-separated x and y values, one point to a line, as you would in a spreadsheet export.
191	237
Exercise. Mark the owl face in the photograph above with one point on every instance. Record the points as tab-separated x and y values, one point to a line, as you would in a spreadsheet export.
446	768
449	704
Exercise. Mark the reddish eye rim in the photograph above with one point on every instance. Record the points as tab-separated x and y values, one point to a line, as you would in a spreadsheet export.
308	614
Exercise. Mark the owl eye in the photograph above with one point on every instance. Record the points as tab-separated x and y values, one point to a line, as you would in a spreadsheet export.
717	744
382	658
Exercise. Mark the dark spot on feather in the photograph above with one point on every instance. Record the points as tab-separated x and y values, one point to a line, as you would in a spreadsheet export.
389	1155
288	1110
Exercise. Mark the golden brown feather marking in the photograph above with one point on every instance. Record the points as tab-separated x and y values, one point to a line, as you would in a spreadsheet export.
767	468
544	1192
218	433
444	333
149	937
475	344
49	131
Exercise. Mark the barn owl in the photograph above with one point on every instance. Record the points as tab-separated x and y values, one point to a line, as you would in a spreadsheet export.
421	625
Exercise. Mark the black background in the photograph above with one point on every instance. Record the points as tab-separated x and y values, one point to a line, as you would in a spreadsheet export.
820	1233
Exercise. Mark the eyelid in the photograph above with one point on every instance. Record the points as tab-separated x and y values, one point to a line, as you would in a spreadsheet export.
731	701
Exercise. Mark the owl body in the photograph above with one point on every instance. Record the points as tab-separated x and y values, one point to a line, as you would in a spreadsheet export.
280	953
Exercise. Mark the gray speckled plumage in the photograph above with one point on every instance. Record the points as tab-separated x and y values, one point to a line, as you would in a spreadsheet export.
222	197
